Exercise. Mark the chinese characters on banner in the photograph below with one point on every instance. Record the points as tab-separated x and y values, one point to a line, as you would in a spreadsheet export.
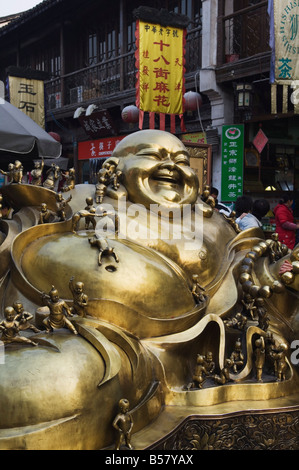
284	41
286	31
232	162
101	148
160	76
28	96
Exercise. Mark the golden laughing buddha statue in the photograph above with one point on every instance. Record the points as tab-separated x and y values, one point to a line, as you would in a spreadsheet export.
142	327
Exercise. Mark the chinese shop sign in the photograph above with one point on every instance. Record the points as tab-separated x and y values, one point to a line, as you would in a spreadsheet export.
195	137
98	124
160	76
232	162
28	96
101	148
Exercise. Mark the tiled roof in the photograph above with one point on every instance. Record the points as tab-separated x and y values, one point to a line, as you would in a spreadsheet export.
14	21
4	20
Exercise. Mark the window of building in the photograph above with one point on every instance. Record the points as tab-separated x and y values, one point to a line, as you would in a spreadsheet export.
92	48
55	65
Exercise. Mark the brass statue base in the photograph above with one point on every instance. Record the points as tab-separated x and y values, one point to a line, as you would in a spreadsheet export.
273	428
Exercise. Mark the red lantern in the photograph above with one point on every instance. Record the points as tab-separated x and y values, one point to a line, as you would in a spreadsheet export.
130	114
193	100
55	136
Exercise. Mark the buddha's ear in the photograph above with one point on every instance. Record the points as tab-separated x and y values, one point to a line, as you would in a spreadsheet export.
111	161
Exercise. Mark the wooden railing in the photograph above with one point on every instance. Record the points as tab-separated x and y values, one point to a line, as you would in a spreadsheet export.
109	77
243	34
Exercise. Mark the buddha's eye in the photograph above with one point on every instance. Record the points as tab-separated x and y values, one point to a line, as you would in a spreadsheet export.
181	160
150	154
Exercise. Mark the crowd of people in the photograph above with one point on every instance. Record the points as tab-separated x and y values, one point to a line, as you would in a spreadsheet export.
249	213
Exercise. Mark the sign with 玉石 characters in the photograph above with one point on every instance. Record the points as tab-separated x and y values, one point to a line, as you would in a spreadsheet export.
28	95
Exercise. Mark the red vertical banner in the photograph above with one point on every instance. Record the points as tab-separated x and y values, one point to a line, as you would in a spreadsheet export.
160	63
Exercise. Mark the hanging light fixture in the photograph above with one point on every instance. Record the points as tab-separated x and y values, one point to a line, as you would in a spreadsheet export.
193	101
130	114
244	94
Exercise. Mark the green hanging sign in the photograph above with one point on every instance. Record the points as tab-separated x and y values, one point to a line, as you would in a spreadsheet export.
232	162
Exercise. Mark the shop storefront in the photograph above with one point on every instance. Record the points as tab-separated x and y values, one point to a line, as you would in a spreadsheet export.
273	170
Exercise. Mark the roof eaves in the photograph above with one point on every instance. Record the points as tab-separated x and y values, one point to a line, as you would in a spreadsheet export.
27	15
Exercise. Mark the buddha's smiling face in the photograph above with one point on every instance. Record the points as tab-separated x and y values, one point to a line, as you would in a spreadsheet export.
156	169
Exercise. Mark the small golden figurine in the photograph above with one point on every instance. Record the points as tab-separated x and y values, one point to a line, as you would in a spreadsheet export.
116	179
209	363
123	423
15	172
37	173
104	248
197	290
70	182
231	219
260	354
9	172
57	318
24	318
45	214
200	372
276	248
207	198
263	318
90	219
10	329
224	377
271	349
249	307
238	321
237	356
60	206
77	216
104	176
280	362
80	300
52	175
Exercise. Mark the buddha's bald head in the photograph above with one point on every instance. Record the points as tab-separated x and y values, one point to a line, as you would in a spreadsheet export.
156	170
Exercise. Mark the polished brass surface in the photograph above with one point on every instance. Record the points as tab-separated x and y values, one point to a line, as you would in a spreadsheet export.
197	319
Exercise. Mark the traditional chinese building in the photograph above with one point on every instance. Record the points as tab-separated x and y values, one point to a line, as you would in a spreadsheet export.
88	52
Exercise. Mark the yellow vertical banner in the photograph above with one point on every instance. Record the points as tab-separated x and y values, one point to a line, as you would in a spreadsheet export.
160	63
28	96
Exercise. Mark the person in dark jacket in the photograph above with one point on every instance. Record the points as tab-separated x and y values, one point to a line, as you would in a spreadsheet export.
285	224
260	208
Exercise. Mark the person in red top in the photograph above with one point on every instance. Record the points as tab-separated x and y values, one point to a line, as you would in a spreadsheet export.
285	224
